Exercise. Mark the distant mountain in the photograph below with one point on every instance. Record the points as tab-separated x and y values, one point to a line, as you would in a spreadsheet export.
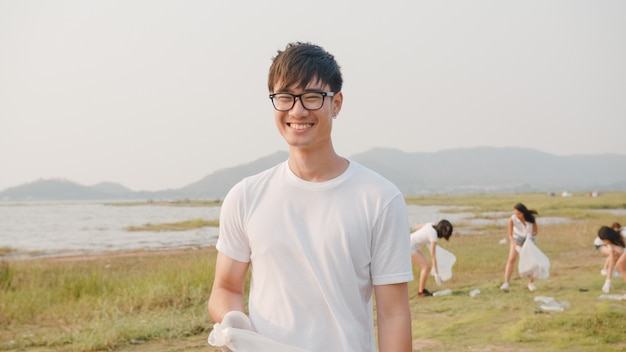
218	183
489	169
454	171
60	189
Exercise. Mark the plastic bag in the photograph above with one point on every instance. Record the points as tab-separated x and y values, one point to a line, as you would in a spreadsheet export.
445	261
236	334
533	263
241	340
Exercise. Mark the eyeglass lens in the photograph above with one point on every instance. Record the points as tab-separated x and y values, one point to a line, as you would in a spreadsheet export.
310	101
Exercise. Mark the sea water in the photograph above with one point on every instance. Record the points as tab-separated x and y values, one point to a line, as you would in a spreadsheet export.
57	228
69	228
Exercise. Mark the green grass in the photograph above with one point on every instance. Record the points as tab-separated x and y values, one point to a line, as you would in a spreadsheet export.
142	302
175	226
106	302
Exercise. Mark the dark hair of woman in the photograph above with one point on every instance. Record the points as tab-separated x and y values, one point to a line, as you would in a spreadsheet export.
444	229
607	233
529	214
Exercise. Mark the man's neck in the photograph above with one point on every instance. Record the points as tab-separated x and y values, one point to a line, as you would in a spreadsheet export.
317	166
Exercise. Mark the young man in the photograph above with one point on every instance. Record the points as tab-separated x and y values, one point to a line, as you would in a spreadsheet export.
319	232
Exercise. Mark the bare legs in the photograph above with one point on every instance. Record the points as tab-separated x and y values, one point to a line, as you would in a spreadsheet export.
620	265
510	263
510	266
605	250
617	260
419	259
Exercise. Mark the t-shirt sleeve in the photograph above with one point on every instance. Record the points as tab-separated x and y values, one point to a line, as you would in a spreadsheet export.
432	234
233	240
391	249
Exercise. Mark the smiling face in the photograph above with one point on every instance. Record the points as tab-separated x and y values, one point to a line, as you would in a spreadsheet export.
519	215
308	130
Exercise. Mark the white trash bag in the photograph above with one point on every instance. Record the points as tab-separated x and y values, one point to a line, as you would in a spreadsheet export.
533	263
236	334
445	261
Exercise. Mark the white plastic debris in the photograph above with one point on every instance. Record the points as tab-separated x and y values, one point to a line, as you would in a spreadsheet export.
445	292
549	304
615	297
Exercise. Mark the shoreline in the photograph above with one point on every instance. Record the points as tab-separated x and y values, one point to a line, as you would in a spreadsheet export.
86	255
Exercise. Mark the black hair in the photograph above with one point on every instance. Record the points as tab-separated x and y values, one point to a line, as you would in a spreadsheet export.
607	233
300	64
529	214
444	229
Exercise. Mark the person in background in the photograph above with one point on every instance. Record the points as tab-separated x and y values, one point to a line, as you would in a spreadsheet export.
428	234
617	259
319	233
522	226
605	250
618	227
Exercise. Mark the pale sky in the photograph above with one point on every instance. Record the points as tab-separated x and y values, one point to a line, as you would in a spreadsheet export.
157	94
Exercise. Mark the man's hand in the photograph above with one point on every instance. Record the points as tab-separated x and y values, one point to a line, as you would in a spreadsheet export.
232	319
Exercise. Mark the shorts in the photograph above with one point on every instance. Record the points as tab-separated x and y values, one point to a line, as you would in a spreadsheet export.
416	247
520	240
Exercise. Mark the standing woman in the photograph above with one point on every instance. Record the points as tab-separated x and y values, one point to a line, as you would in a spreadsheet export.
617	259
428	234
522	225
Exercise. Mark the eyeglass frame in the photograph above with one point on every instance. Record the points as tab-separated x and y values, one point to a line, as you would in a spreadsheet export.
299	96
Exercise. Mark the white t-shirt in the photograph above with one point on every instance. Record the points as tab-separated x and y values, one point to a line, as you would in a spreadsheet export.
316	250
520	230
425	235
597	242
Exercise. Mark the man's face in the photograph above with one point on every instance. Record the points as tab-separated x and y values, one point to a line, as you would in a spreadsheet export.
308	129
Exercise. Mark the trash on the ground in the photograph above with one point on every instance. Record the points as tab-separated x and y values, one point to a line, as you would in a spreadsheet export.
503	241
442	292
474	293
549	304
613	297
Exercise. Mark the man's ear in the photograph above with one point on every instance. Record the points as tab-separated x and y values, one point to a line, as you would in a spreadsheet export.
337	103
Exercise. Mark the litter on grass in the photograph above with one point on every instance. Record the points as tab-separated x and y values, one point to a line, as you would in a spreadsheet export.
549	304
474	293
615	297
445	292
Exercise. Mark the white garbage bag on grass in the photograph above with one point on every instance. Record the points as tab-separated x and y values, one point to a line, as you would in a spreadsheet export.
533	263
445	261
236	334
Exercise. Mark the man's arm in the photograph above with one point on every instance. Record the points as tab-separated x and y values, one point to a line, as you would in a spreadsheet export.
393	315
228	285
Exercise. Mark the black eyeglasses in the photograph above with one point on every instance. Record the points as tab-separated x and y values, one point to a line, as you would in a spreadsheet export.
309	100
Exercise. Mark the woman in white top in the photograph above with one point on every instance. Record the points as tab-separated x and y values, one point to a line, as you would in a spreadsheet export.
617	259
522	225
606	250
428	234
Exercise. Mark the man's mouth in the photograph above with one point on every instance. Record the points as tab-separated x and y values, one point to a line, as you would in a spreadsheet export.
300	126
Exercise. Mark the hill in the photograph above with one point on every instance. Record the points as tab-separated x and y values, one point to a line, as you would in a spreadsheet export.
454	171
